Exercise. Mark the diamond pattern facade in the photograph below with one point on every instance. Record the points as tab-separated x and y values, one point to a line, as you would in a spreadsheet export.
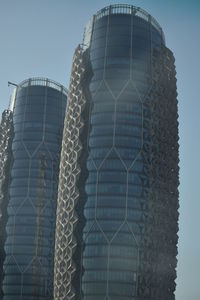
70	169
38	119
127	214
6	136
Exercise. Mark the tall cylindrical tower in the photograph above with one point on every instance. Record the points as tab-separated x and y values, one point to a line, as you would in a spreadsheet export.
128	232
38	116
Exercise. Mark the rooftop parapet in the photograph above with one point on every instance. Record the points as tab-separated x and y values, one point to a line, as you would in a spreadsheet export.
43	82
120	9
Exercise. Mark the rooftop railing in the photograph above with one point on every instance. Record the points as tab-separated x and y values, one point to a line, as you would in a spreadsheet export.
130	10
39	81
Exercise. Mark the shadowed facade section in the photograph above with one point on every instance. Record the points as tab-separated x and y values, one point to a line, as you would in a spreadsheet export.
6	136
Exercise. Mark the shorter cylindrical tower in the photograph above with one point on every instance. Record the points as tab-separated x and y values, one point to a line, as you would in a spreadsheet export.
38	115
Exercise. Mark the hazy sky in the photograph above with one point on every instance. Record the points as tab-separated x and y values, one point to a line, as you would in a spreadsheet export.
38	37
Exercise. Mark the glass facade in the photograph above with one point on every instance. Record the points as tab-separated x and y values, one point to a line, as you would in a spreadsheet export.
38	117
6	136
126	247
120	51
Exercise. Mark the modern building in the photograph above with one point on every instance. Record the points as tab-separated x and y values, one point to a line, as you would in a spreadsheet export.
6	136
38	109
117	214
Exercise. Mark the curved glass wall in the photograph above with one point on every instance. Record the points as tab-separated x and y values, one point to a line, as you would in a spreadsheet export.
38	119
117	215
124	44
6	136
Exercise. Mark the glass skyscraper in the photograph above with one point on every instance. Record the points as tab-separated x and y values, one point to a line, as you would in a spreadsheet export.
6	135
38	117
117	214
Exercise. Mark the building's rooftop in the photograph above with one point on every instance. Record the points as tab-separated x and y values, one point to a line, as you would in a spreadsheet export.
43	82
122	9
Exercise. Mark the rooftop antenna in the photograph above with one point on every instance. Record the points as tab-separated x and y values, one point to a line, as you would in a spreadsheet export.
12	83
13	96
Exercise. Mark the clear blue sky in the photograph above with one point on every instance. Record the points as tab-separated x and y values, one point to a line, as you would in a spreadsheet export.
38	37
